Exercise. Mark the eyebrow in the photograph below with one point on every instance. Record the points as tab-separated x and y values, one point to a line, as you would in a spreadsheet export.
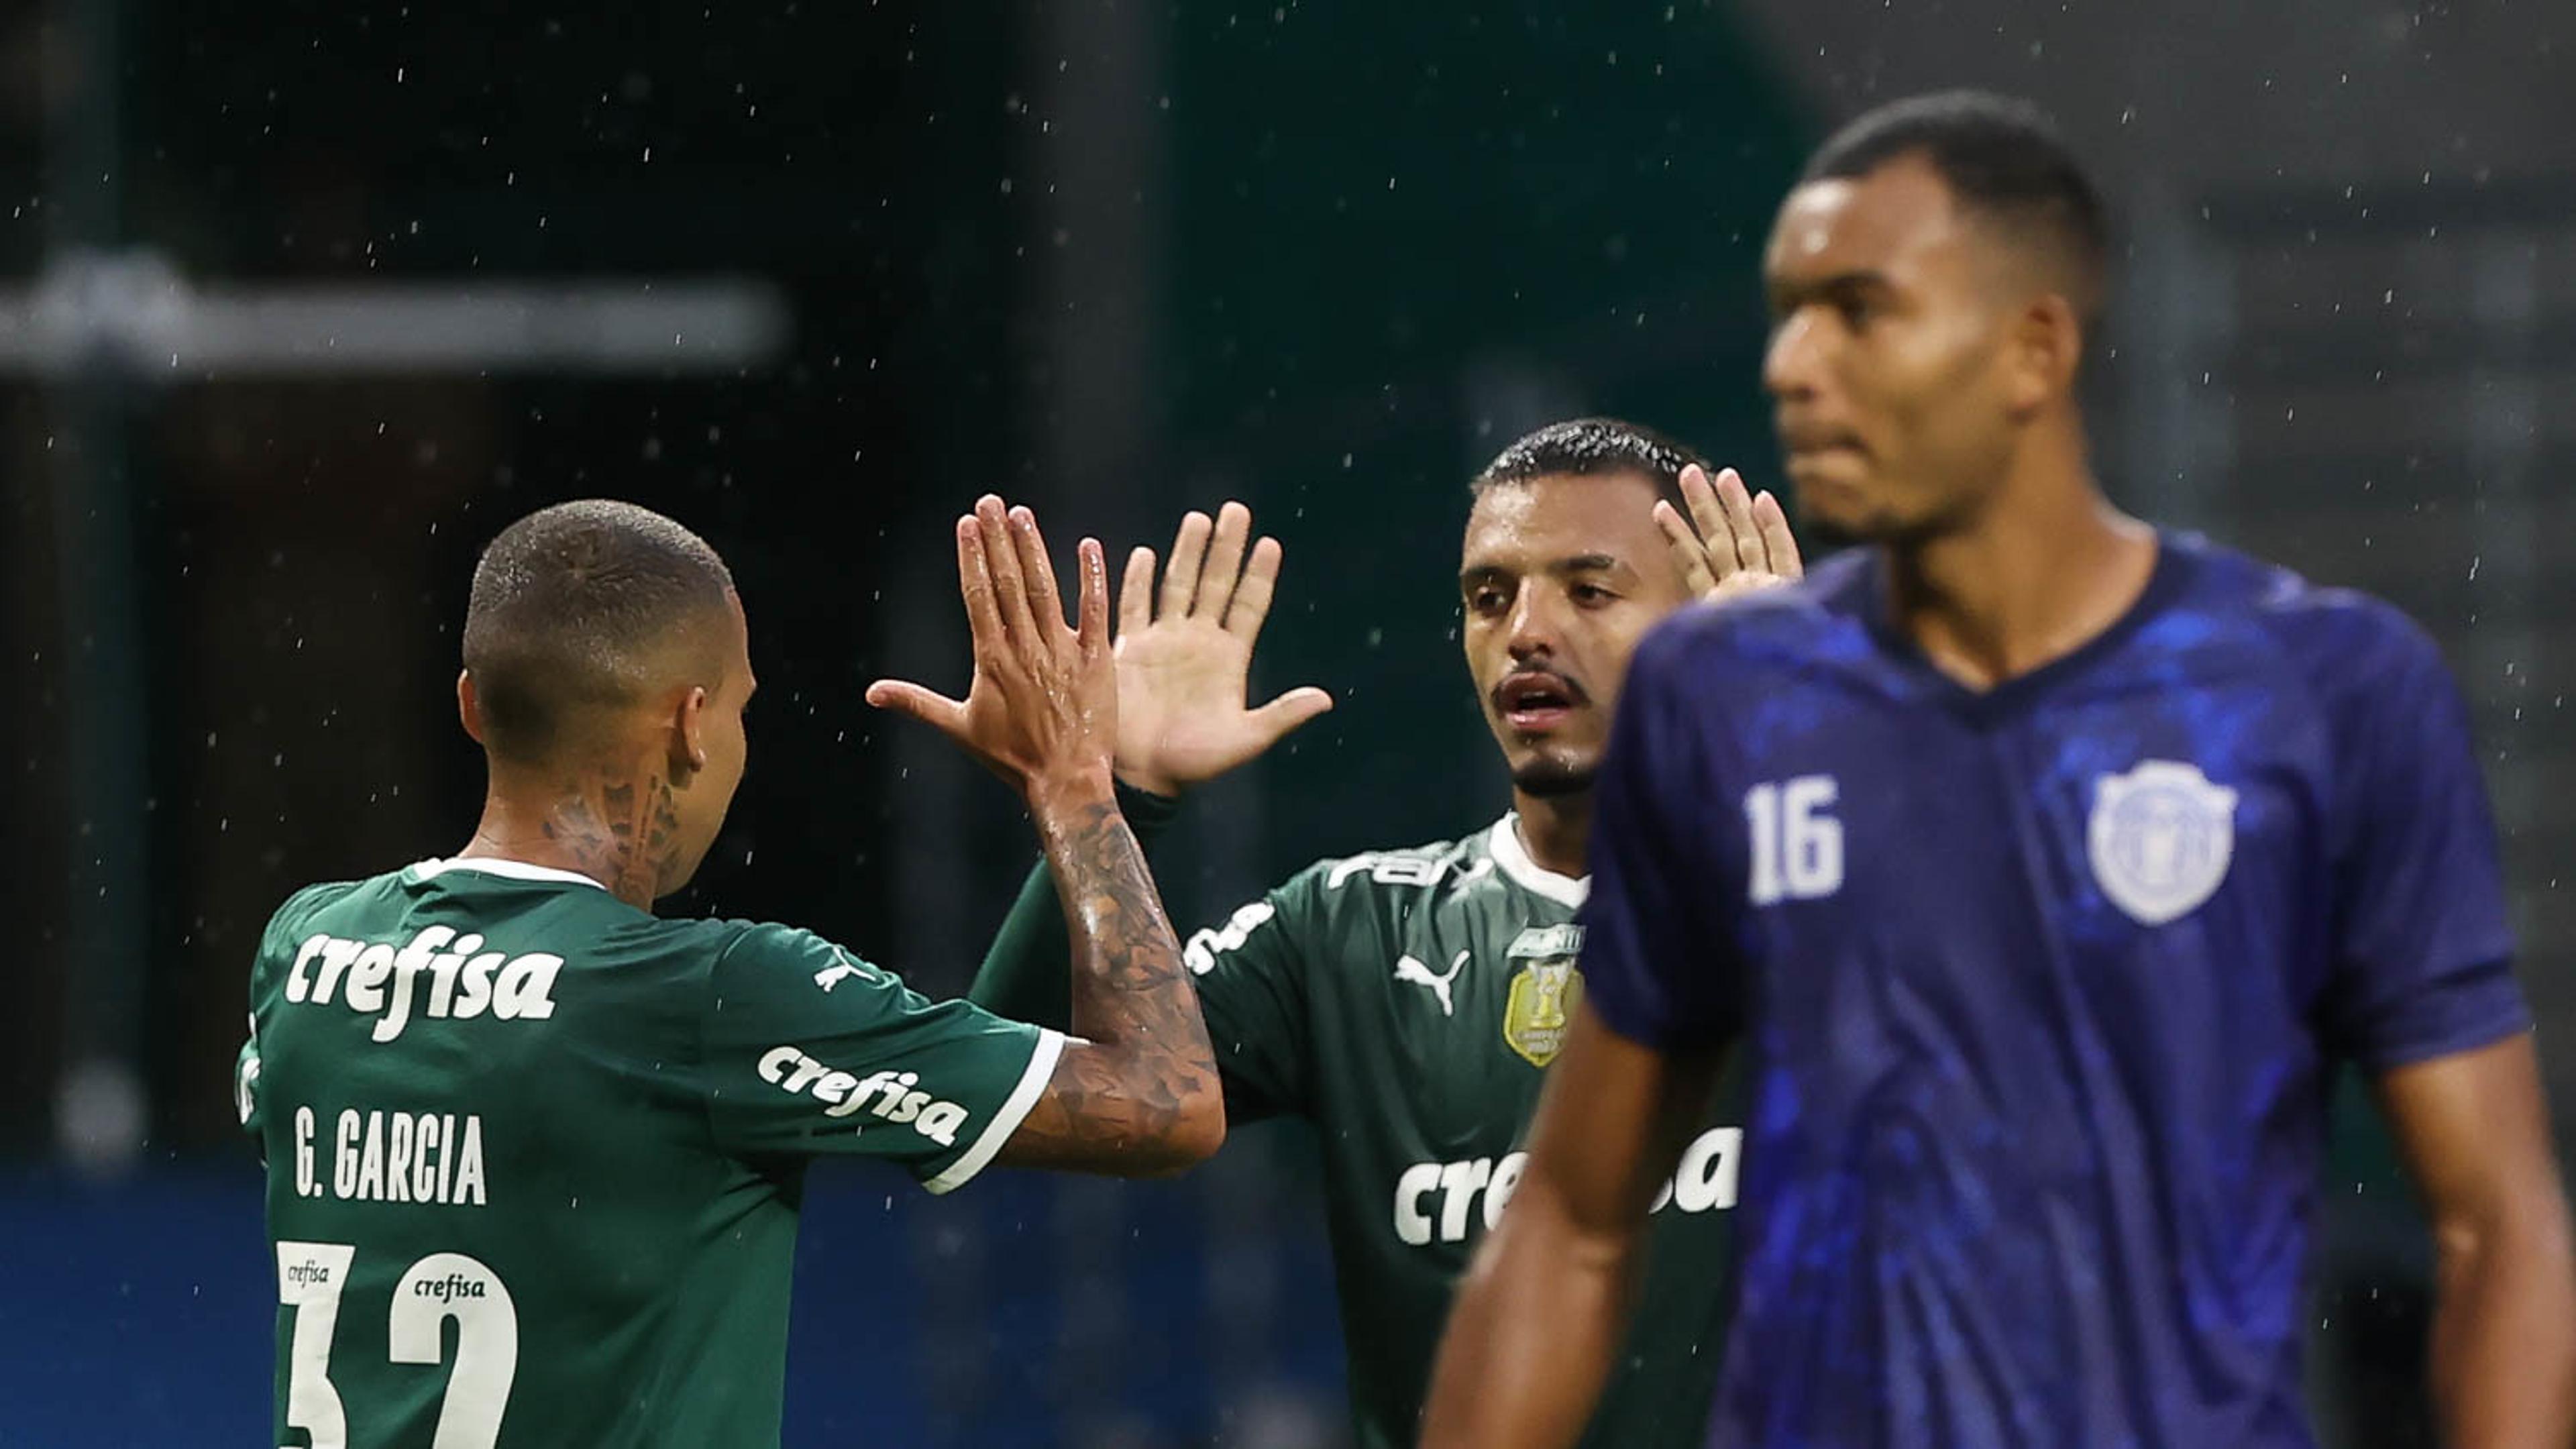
1581	563
1864	280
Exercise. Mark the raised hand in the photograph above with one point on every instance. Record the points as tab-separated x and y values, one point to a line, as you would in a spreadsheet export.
1185	657
1732	544
1042	709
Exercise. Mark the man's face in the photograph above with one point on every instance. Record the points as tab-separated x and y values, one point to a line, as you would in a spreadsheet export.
1887	359
1561	576
700	804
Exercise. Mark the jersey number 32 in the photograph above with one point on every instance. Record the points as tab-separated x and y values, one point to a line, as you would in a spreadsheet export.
310	1278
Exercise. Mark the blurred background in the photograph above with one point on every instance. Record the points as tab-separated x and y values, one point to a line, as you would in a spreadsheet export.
301	302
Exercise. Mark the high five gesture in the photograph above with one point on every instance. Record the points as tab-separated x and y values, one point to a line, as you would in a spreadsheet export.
1185	657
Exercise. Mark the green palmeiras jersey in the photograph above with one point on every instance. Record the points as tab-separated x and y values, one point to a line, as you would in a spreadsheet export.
1406	1003
534	1156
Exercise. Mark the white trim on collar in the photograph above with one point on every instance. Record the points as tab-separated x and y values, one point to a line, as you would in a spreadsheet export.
494	865
1503	842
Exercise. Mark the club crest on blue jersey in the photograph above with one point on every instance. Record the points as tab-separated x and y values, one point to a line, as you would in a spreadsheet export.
1544	991
2161	838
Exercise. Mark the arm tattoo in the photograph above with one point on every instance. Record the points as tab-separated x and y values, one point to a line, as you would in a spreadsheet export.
1122	1097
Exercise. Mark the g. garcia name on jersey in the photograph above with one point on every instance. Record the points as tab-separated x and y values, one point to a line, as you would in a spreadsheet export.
372	978
378	1156
1437	1201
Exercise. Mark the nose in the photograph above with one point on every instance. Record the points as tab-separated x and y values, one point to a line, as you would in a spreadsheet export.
1534	623
1791	363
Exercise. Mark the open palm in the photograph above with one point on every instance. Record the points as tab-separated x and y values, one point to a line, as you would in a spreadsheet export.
1732	543
1185	657
1041	705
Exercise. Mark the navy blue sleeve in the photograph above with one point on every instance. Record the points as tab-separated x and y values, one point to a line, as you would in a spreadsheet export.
2423	953
1659	964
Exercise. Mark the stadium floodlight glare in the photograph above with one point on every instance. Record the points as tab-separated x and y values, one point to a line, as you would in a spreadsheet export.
133	313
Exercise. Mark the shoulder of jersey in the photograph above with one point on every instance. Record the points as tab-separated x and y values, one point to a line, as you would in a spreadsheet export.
2339	634
1440	862
295	916
722	936
305	901
1814	620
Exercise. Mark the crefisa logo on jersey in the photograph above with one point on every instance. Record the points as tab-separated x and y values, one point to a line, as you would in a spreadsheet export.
1544	991
457	977
890	1093
2161	838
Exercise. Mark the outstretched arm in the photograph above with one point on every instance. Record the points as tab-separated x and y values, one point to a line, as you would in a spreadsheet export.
1137	1091
2475	1132
1540	1313
1130	1092
1023	973
1185	716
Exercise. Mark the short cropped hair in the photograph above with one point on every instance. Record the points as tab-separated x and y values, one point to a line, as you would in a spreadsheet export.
1591	447
586	605
2004	160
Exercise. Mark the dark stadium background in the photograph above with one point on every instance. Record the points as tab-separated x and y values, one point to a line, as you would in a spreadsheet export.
1113	259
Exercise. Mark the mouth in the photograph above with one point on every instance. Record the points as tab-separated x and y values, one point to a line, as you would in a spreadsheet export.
1814	442
1535	701
1821	465
1815	464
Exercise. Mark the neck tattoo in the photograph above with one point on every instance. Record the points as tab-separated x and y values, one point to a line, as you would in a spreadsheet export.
623	833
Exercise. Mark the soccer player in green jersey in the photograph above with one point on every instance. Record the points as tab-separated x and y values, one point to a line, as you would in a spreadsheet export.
1406	1001
535	1155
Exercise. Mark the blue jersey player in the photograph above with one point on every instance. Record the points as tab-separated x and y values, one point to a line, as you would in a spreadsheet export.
2048	866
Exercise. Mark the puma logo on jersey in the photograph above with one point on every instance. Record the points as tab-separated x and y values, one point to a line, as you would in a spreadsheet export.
465	981
1408	969
1439	1201
790	1070
849	966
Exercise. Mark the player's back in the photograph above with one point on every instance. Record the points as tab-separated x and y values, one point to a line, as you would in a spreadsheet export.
478	1087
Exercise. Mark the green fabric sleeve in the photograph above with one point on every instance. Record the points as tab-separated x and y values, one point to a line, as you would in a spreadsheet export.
1026	973
809	1051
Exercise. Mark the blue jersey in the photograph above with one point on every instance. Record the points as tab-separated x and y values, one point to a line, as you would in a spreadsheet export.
2044	986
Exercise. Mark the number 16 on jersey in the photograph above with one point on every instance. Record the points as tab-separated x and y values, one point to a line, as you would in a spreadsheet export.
1797	843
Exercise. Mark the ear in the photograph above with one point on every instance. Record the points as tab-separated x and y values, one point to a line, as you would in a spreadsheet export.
2047	346
689	734
469	710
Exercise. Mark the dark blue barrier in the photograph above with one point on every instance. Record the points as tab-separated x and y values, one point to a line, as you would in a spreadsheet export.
1022	1310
